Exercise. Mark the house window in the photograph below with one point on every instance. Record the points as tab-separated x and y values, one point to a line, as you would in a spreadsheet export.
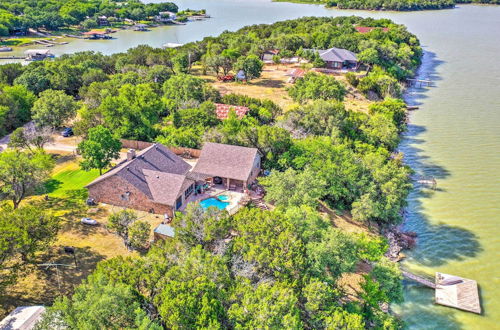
178	203
189	191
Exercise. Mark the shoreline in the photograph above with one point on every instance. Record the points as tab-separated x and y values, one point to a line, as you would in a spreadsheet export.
53	39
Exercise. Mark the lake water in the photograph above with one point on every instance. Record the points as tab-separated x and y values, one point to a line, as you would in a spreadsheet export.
455	137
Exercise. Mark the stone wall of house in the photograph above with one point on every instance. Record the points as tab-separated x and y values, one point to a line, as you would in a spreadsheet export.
113	190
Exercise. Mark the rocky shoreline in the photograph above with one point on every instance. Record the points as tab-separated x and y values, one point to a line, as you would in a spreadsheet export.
399	241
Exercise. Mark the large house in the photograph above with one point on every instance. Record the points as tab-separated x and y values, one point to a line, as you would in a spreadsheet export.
339	59
156	180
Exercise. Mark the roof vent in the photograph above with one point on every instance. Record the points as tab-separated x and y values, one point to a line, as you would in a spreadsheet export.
130	154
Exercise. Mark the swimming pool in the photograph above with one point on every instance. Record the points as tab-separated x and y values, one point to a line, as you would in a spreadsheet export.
212	201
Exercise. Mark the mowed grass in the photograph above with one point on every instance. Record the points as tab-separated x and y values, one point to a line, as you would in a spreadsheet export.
69	178
66	200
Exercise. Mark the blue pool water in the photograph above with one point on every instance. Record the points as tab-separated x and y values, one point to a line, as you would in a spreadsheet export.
209	202
223	197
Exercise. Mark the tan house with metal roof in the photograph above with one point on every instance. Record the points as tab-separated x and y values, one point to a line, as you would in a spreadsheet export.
157	180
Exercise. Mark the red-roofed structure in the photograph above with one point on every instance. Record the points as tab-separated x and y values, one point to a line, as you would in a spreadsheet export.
296	73
222	110
366	29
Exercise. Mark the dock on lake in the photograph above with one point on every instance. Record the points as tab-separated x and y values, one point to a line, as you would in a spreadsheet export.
452	291
419	82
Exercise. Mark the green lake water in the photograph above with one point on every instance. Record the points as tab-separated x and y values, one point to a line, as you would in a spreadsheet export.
455	137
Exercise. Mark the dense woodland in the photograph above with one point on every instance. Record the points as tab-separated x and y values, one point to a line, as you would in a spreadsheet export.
256	269
55	14
398	5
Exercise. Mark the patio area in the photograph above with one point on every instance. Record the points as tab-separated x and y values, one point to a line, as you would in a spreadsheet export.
234	197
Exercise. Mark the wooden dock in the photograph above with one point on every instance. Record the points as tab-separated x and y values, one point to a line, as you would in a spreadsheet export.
419	279
457	292
419	82
452	291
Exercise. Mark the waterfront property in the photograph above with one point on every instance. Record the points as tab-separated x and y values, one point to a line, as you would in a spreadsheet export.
339	59
156	180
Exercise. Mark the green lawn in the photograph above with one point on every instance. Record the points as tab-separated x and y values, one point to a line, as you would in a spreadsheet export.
68	179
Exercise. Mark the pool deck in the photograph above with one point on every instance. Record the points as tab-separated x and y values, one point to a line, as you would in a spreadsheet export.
234	198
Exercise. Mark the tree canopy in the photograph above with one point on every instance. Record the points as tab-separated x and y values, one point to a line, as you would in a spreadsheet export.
21	173
99	149
256	269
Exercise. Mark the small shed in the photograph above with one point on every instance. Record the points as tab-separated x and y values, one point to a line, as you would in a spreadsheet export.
241	75
164	231
22	318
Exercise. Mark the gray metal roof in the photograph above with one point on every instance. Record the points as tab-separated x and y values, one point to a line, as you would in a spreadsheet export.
165	230
337	55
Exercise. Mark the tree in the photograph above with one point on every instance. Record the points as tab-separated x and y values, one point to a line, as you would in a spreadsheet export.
98	304
34	78
24	233
119	222
388	275
380	130
9	72
319	118
133	112
197	226
183	87
53	108
271	141
314	86
90	23
266	306
138	235
292	188
31	136
270	242
17	102
99	149
194	291
22	173
277	60
251	66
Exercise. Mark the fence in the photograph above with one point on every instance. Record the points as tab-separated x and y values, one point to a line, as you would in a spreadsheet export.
139	145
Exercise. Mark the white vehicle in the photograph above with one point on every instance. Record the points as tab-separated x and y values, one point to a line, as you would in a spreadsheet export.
89	221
